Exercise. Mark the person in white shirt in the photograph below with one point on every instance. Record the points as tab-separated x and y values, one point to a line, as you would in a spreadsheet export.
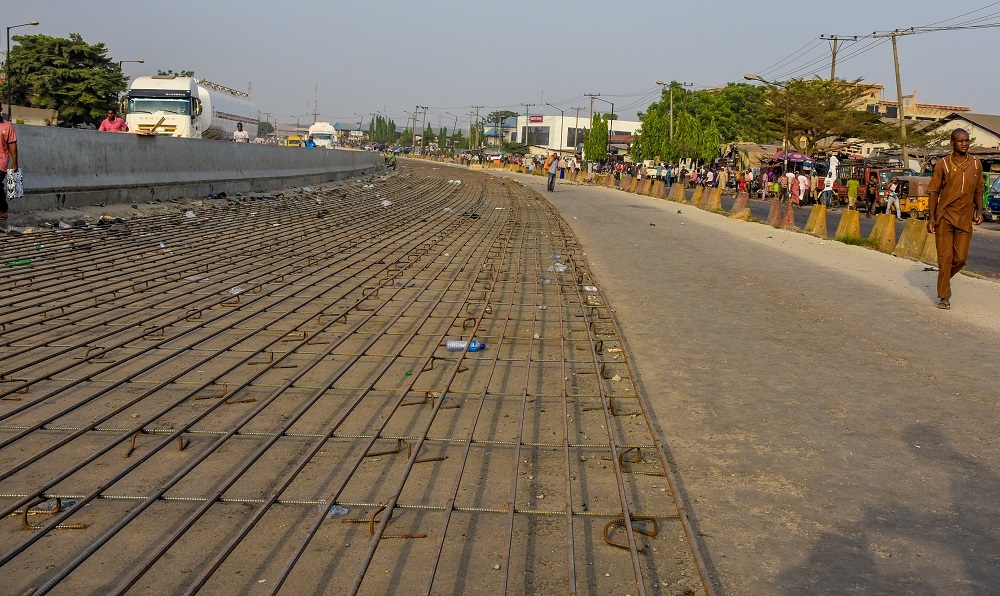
804	189
241	136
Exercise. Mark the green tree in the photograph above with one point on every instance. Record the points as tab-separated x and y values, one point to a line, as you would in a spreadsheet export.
703	120
595	146
820	110
459	141
515	148
498	116
920	140
70	76
427	137
264	129
406	138
443	138
179	73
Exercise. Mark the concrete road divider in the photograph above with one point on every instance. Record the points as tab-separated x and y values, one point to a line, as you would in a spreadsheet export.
659	190
884	232
677	193
912	240
774	215
644	186
713	200
811	222
743	214
929	254
742	202
788	221
68	168
696	197
850	224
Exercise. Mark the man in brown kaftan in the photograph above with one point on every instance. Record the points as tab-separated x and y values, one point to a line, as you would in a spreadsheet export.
956	203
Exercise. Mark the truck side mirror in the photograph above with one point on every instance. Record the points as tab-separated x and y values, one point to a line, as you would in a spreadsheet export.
196	107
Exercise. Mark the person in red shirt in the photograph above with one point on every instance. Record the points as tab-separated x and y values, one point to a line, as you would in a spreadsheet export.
8	161
113	123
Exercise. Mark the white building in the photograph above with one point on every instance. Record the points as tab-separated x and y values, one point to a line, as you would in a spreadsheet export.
561	134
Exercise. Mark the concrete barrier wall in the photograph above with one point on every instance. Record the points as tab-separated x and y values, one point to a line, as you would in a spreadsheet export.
72	168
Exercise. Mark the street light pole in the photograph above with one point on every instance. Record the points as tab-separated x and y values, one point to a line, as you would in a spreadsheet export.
562	127
7	64
120	62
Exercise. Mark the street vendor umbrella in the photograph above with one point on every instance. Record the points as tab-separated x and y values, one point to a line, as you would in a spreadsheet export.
793	156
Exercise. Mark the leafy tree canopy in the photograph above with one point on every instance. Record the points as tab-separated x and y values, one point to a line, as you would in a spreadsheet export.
595	146
179	73
75	78
820	109
264	129
500	115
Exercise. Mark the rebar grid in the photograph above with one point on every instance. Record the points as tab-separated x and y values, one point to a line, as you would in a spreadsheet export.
195	425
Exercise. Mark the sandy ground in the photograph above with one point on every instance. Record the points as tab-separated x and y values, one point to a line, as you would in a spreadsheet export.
834	432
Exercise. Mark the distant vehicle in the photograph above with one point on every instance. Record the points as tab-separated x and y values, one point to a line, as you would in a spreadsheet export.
873	176
323	134
294	141
913	198
186	107
992	211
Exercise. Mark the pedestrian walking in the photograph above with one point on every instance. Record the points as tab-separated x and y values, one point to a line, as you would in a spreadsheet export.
956	195
552	168
892	198
828	189
803	188
852	193
8	162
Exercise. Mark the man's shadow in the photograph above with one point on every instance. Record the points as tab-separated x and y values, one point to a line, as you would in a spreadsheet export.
968	527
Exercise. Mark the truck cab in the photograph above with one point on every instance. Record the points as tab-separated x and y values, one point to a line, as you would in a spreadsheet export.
165	105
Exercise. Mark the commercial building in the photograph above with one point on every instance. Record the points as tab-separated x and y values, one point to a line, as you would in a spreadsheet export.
564	134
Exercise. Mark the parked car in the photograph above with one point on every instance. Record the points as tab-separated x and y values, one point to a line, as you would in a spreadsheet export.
992	211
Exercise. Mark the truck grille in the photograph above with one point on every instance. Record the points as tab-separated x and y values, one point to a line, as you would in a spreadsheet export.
163	129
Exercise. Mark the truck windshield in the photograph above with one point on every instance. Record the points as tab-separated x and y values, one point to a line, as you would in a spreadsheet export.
139	105
321	136
995	189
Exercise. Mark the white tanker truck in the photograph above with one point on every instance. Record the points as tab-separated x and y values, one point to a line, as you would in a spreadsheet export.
188	108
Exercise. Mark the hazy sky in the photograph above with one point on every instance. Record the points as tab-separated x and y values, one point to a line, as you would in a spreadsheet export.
389	55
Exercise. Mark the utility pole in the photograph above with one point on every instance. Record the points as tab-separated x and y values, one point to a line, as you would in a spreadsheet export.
899	89
592	96
416	110
833	59
316	104
526	121
477	124
836	39
576	131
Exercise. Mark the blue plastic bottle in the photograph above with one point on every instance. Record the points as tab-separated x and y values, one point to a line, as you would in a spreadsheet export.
459	345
